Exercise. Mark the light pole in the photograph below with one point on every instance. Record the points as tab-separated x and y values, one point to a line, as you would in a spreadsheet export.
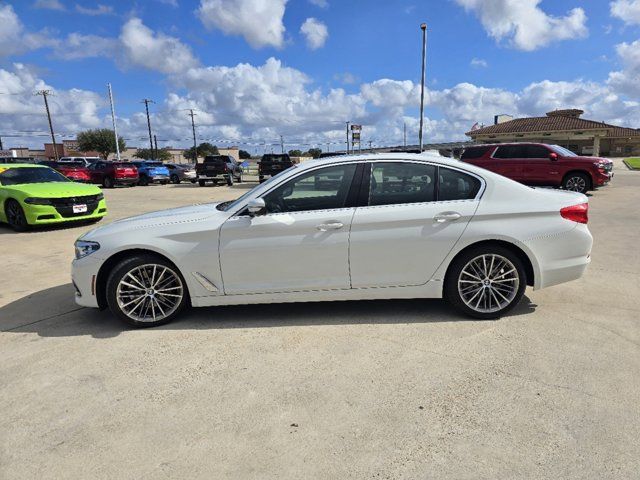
423	27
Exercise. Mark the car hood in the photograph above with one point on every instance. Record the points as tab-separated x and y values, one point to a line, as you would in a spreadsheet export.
55	189
162	218
590	159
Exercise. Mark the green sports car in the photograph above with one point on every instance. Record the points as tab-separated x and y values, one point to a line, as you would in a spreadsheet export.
38	195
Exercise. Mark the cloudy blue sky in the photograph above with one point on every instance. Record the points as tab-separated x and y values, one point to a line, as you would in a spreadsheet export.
258	69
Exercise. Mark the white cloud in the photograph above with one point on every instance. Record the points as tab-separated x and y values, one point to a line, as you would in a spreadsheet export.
626	10
49	5
14	40
315	32
524	24
77	46
319	3
478	63
141	46
98	10
346	78
258	21
627	80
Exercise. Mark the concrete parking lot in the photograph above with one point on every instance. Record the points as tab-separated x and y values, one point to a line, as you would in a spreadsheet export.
384	389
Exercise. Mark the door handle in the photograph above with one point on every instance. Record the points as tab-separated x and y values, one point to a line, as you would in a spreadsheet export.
447	217
323	227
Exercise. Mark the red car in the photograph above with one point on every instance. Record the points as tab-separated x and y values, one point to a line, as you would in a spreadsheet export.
75	171
110	174
541	164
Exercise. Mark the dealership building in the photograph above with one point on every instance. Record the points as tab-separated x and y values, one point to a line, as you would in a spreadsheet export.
565	128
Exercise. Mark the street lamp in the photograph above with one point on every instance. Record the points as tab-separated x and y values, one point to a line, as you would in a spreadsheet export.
423	27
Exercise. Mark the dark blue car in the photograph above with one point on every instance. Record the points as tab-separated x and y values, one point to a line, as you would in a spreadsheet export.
152	172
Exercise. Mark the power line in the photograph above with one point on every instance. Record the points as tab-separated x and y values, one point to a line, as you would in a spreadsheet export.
45	94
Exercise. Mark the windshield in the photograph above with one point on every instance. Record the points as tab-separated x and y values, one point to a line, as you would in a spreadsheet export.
154	164
20	176
563	151
231	204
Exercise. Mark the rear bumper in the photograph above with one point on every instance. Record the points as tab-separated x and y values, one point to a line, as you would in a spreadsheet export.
562	258
159	178
125	181
222	176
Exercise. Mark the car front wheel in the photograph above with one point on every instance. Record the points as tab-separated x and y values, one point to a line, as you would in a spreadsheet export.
146	291
485	282
15	216
577	182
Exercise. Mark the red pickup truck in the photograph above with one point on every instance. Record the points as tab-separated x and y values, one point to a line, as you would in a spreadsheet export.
541	164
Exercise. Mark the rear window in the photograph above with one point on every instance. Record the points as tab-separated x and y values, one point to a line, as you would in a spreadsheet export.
276	158
474	152
216	160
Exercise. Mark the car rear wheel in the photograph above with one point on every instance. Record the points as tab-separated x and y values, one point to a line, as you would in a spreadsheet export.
15	216
202	183
144	181
485	282
108	182
230	180
577	182
175	178
146	291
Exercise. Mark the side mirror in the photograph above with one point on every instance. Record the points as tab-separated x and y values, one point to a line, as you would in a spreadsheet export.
256	206
553	156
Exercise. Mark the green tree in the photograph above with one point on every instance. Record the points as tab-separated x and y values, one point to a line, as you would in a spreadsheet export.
295	153
204	149
101	140
244	155
147	154
315	152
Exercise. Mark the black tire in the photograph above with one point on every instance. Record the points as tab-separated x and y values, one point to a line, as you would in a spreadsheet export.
175	179
127	265
163	182
239	179
230	180
193	181
202	183
577	182
107	182
143	181
15	216
455	274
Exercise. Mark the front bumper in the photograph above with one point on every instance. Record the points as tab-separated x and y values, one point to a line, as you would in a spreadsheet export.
84	274
48	214
603	178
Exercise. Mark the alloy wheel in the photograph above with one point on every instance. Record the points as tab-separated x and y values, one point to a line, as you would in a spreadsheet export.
488	283
576	184
149	293
15	215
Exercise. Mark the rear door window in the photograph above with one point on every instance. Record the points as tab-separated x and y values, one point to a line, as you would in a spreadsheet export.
456	185
401	182
511	151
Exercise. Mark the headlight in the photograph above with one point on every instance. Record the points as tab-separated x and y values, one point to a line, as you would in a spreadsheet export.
37	201
84	248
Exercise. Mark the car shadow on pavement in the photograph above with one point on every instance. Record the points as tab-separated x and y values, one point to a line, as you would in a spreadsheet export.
53	313
6	229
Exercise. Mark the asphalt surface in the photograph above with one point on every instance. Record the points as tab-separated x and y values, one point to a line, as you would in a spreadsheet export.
384	389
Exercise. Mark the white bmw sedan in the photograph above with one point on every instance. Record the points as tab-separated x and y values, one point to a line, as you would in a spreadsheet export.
342	228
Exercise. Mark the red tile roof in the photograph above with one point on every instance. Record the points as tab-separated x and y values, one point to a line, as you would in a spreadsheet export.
541	124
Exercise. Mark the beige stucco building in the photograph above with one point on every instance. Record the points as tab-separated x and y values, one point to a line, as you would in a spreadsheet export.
565	128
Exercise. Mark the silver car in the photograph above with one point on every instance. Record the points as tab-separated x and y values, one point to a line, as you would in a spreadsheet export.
179	172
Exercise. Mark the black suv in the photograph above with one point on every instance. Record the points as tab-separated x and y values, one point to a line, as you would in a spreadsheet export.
218	168
272	164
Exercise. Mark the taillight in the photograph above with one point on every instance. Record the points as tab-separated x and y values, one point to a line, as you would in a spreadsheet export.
576	213
226	168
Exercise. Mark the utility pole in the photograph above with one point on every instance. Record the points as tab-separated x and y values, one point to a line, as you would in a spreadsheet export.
155	140
146	102
282	143
113	120
405	135
193	129
370	149
1	147
45	94
347	138
423	27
